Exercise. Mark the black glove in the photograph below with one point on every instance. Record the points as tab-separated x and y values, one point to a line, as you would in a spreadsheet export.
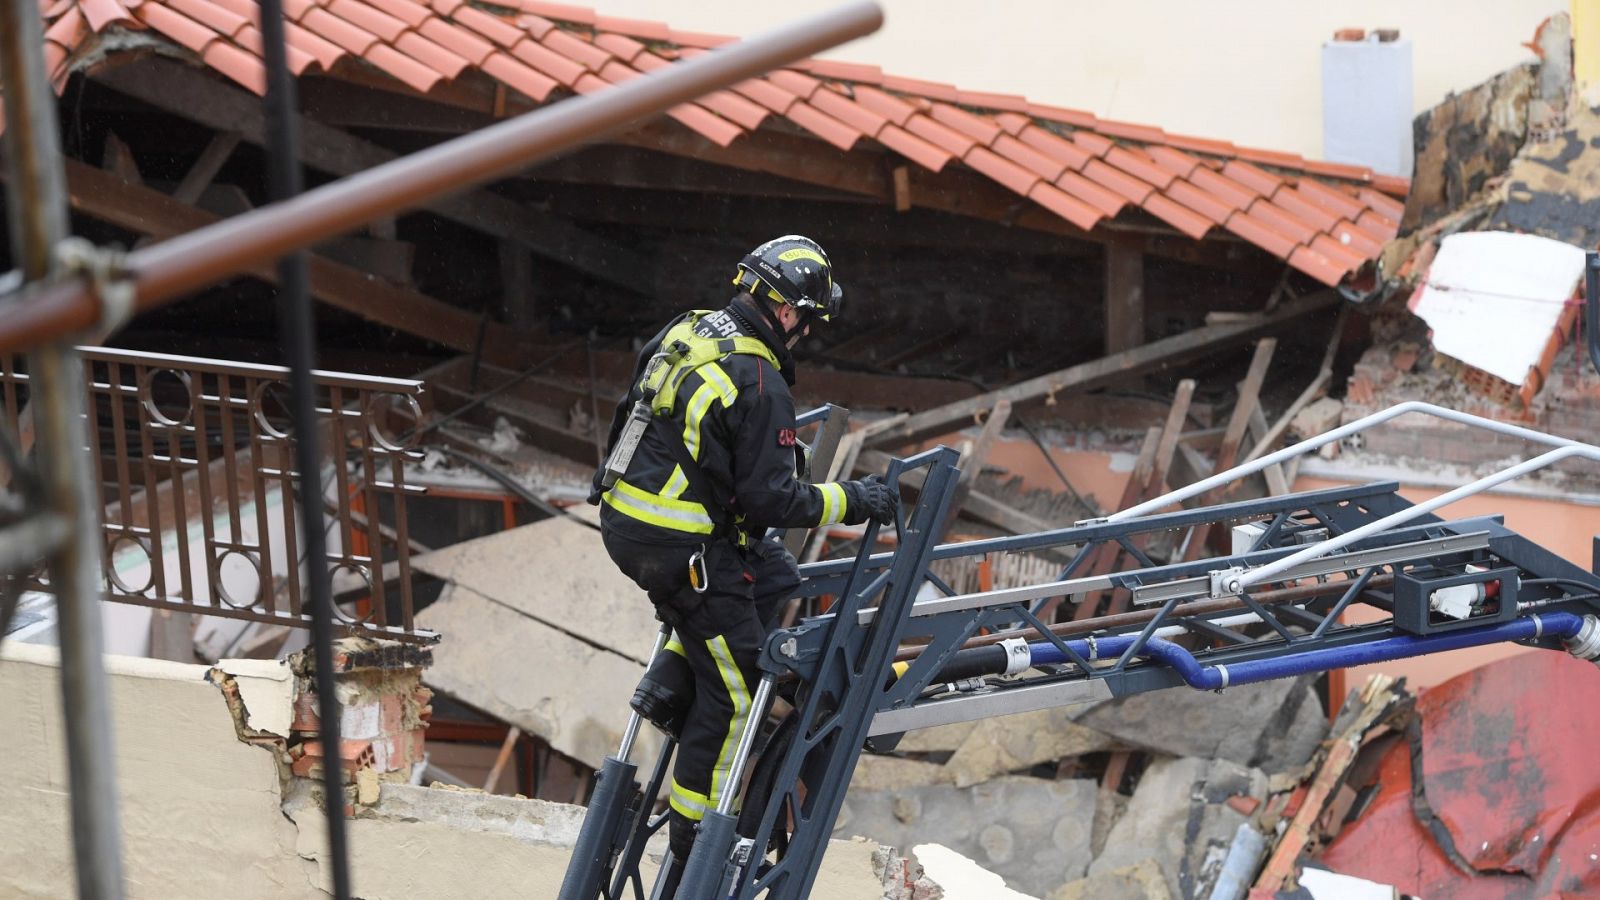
869	498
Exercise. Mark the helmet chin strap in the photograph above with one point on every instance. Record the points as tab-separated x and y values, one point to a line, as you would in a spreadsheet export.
770	313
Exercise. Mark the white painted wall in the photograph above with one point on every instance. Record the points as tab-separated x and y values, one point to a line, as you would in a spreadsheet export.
1241	70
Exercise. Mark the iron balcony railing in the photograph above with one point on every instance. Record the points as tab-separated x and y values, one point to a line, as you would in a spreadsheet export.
196	468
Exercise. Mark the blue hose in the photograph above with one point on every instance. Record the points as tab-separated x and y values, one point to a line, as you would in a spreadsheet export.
1212	678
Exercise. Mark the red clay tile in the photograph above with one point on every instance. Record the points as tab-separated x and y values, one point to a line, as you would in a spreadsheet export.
698	39
1201	202
726	104
941	136
589	83
178	27
933	90
1014	103
1201	145
1258	180
1317	266
237	64
326	52
1095	144
823	125
1107	202
1013	123
575	49
844	71
413	14
1235	194
714	128
981	130
1356	238
887	105
49	9
295	10
1145	134
534	26
459	41
1139	166
1046	166
245	9
1387	206
1334	200
1377	223
1270	157
616	72
368	19
766	94
848	111
1185	220
1393	185
446	7
1175	161
802	86
102	14
431	55
1302	208
622	47
1054	146
1065	206
548	61
581	15
913	148
1007	173
1336	170
1339	252
1077	118
416	76
1260	234
644	29
534	85
1283	222
494	28
54	56
1118	182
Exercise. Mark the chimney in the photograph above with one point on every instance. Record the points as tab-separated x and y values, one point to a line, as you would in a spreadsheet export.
1366	100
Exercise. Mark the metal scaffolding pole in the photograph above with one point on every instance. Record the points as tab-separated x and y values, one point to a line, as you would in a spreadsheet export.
38	220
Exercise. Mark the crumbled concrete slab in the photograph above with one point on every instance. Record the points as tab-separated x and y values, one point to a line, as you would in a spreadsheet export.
266	687
891	773
571	693
1179	818
1015	743
1033	833
938	739
960	878
1141	881
1243	724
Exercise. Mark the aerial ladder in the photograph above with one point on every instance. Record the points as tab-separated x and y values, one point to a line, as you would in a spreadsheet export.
900	650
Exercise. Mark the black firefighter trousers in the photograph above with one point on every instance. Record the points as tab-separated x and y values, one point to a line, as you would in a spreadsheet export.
716	641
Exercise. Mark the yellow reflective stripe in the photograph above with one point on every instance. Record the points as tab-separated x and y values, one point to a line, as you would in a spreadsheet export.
733	679
691	804
716	385
653	509
833	503
673	645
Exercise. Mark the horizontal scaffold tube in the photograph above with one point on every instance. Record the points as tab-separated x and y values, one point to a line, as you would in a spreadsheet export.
987	661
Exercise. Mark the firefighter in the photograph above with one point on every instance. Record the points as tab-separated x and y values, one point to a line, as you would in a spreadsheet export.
711	427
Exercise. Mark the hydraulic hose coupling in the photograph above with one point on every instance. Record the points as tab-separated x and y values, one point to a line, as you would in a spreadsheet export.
1586	643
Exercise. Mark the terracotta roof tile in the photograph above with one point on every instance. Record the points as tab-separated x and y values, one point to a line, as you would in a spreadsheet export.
326	52
766	94
1095	144
1009	102
582	15
1258	180
532	84
1356	238
1235	194
913	148
1270	157
435	57
844	71
848	111
1002	170
933	90
1054	146
941	136
1107	202
1065	206
1077	118
1048	167
1317	266
49	9
1335	170
54	56
1259	233
1118	182
1201	202
1185	220
495	29
643	29
712	127
416	76
1147	134
698	39
179	27
1012	122
237	64
548	61
1285	223
1201	145
1339	252
534	26
368	19
1389	207
981	130
823	125
413	14
1303	208
1335	201
727	104
623	47
1139	165
295	10
802	86
1393	185
1175	161
564	43
102	14
887	105
461	42
1377	222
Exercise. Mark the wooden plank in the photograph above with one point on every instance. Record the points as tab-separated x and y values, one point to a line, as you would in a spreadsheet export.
513	734
1277	484
1151	356
1228	451
980	506
149	212
1313	390
972	461
1124	293
206	167
195	95
1171	430
118	160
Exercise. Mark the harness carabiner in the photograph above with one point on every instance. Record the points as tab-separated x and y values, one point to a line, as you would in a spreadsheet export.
697	570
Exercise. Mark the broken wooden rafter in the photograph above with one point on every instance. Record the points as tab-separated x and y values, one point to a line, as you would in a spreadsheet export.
979	505
1228	452
973	457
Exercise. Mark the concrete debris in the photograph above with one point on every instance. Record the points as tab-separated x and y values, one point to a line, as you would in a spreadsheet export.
1274	725
1140	881
1181	818
893	773
962	879
1318	417
903	879
1016	743
1033	833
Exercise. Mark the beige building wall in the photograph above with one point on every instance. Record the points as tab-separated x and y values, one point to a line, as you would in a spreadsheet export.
1248	71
